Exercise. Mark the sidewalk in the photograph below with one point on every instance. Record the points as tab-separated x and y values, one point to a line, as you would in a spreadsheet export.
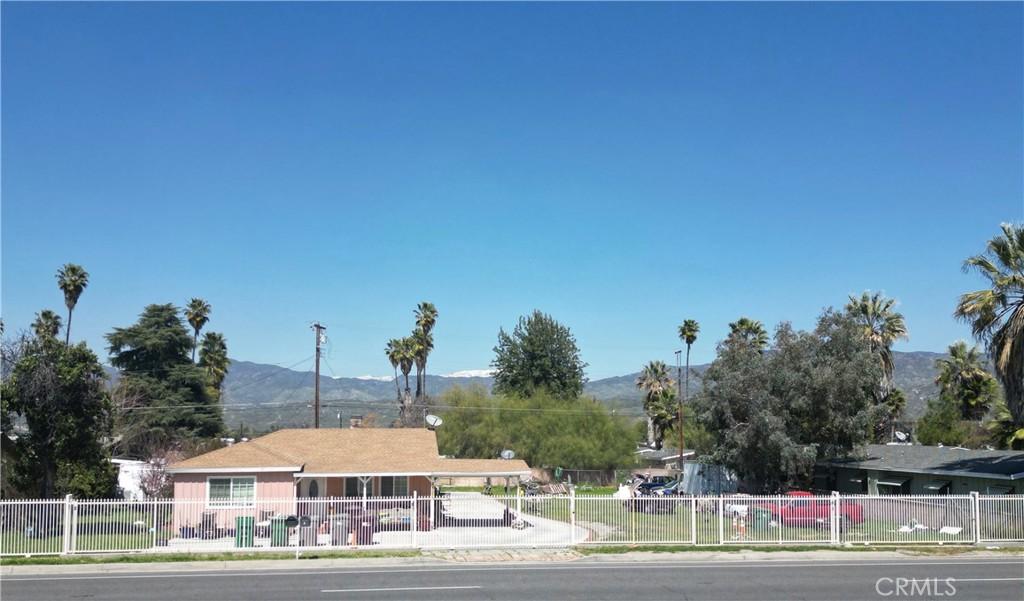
485	557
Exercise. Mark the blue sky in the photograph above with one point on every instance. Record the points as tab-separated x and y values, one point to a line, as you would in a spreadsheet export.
621	167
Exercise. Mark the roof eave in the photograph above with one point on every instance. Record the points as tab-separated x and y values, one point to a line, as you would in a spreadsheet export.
232	470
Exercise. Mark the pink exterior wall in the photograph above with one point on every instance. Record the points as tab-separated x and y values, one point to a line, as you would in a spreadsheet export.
275	493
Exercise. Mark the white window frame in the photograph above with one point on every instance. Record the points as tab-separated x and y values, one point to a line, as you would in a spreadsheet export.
230	503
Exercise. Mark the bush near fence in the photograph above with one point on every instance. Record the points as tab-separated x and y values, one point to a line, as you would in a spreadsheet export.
68	526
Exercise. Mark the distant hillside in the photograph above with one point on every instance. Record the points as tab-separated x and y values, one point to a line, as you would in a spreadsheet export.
267	396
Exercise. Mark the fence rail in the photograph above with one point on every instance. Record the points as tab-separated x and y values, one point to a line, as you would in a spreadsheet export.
466	520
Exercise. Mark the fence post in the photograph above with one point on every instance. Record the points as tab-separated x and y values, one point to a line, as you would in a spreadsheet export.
693	521
721	521
415	516
833	517
975	517
572	516
519	504
67	526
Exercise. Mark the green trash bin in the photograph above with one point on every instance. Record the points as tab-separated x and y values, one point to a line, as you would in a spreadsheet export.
278	532
762	519
245	525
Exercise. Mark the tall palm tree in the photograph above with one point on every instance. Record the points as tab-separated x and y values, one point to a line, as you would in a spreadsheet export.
687	333
47	324
883	326
426	318
996	314
406	359
658	387
213	358
750	331
197	312
963	377
72	280
394	352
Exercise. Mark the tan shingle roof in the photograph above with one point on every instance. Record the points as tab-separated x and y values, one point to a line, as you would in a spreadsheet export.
482	466
347	451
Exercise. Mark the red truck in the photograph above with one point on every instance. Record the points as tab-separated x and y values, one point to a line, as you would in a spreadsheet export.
804	509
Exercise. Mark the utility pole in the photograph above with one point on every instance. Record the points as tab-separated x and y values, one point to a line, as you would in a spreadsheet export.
679	395
318	332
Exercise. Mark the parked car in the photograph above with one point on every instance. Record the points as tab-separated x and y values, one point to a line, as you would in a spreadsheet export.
655	482
801	508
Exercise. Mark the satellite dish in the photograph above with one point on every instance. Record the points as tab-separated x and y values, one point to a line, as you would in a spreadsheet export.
508	454
433	421
901	436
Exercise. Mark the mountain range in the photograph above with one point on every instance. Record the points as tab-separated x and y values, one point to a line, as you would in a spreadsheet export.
266	397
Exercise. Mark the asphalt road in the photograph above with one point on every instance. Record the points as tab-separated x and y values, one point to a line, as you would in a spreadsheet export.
953	578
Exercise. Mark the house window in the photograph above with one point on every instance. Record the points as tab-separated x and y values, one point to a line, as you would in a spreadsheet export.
354	487
394	486
314	489
231	492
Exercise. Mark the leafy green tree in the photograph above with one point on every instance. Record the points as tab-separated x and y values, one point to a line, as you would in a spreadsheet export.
996	314
426	319
659	394
539	354
544	430
58	390
941	423
774	415
749	331
167	398
197	312
963	377
213	359
47	324
72	280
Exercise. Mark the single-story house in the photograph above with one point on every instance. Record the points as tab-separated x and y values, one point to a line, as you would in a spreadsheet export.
277	470
924	470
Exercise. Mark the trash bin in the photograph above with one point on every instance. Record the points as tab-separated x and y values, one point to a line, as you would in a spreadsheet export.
278	532
245	525
761	519
364	523
308	530
340	530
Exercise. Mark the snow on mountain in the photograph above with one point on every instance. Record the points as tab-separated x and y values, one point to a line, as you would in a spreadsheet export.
470	373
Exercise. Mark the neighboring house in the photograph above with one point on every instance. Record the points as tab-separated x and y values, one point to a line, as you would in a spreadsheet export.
328	462
923	470
129	478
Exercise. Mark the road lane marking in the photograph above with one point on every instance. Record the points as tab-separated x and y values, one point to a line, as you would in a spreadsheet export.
406	588
530	567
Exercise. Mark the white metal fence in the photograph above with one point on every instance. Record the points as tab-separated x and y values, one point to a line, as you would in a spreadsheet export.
465	520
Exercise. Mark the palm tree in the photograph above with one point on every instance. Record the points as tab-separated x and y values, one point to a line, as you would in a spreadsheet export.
963	377
213	358
1006	434
406	359
426	318
882	327
72	280
198	314
687	333
46	325
996	314
750	331
658	388
394	352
